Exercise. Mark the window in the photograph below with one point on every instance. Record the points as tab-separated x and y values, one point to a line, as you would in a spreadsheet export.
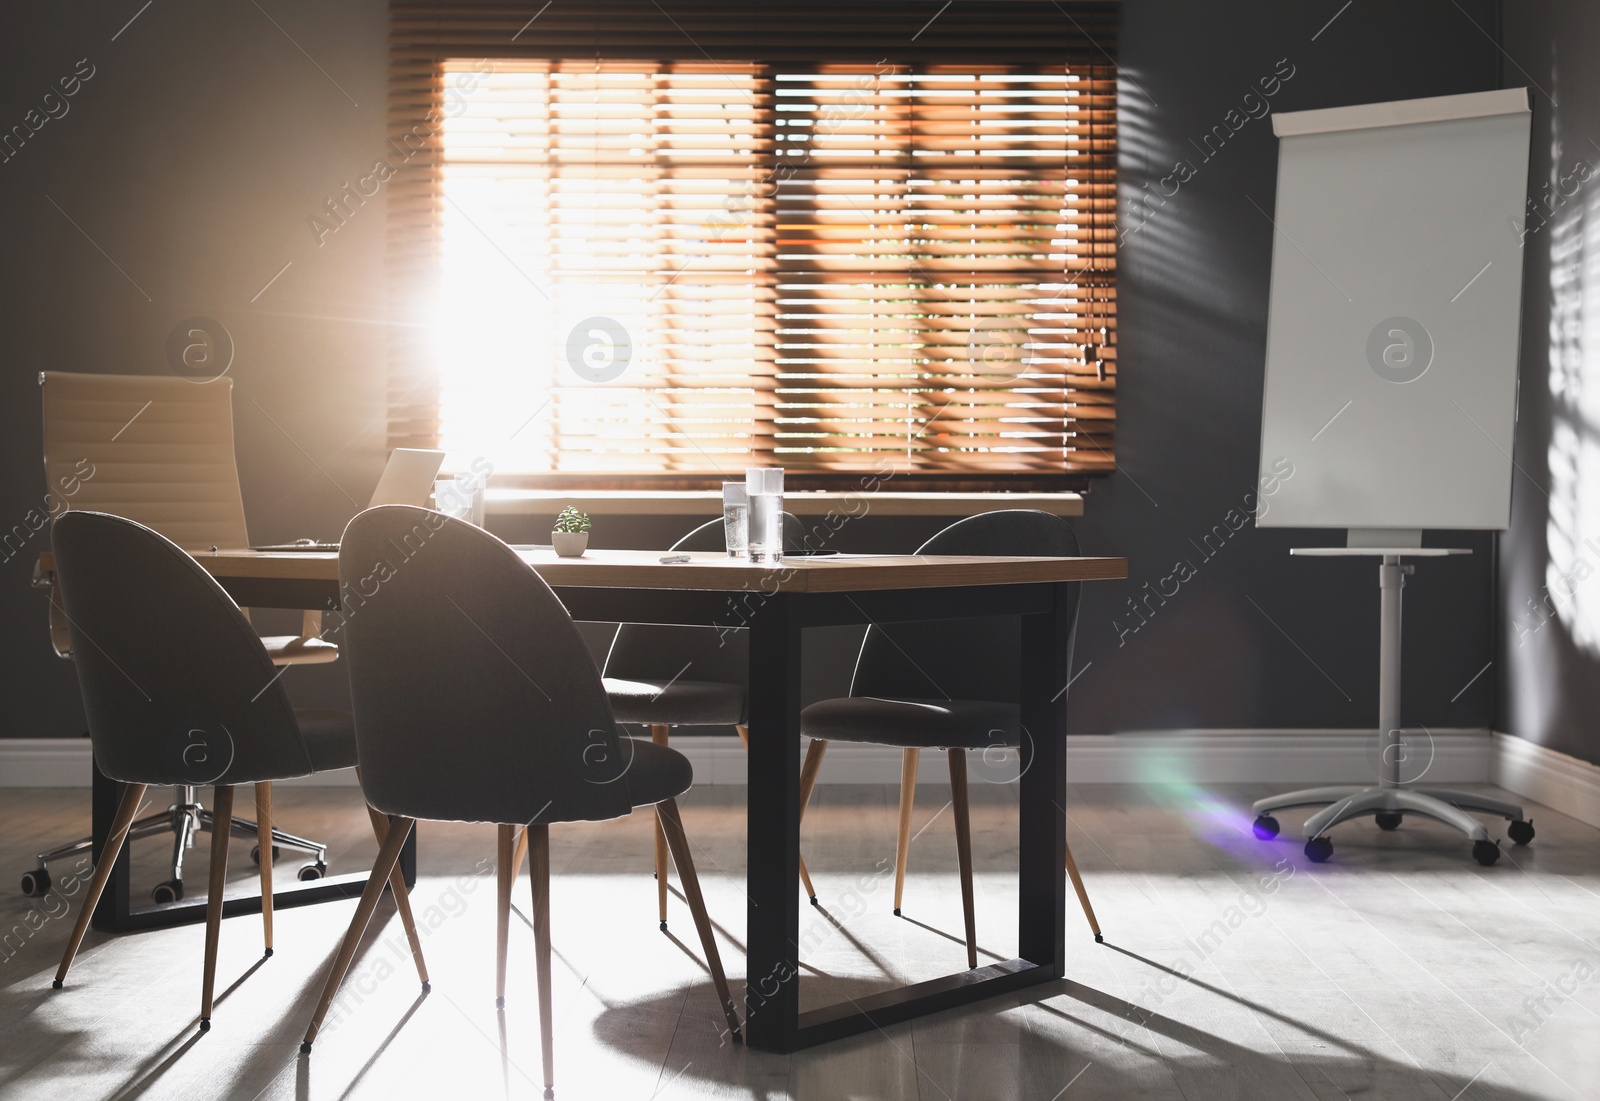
668	270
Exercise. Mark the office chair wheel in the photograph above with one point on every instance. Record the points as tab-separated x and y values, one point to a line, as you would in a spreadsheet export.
36	884
1485	852
255	854
1266	827
1519	831
1318	850
170	890
308	872
1388	819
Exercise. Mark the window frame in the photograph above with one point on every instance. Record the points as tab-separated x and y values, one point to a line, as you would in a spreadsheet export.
416	123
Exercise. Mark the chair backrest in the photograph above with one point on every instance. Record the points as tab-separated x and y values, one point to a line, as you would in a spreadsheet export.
968	659
475	699
649	651
176	685
154	449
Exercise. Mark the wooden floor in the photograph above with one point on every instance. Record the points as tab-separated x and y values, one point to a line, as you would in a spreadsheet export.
1232	969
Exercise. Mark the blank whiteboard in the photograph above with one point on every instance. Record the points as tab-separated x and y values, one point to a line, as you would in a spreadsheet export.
1393	327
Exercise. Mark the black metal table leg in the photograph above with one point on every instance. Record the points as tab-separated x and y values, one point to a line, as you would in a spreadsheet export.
1042	815
772	1005
116	914
772	984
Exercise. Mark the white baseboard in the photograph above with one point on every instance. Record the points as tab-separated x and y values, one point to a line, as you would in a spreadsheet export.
1291	757
1558	781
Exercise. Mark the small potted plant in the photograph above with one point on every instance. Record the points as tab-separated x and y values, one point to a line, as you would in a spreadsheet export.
571	535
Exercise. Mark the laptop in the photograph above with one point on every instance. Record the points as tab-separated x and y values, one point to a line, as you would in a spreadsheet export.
407	479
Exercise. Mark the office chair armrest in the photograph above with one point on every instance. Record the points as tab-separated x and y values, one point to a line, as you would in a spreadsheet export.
60	638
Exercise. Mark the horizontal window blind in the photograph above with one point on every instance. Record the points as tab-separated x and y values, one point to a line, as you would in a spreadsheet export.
598	205
833	265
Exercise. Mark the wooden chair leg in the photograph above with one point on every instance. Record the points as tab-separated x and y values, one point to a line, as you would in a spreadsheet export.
518	856
958	800
402	899
221	831
505	872
388	857
539	874
264	854
908	797
658	735
1083	895
672	825
808	781
126	810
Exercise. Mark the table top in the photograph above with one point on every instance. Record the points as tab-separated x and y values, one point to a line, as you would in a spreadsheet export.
713	571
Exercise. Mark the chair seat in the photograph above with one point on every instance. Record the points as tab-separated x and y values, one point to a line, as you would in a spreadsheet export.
675	703
294	650
330	737
654	773
918	724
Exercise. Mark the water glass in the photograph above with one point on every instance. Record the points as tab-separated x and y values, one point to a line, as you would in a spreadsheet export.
765	488
735	519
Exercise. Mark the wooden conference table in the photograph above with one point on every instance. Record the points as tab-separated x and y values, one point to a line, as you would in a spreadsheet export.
776	604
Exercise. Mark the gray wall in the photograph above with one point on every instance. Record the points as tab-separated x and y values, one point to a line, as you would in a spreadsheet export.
193	158
206	138
1254	638
1549	638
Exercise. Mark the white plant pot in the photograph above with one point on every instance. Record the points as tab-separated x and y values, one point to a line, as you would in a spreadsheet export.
569	544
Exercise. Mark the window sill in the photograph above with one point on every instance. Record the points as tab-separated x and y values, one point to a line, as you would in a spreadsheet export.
707	502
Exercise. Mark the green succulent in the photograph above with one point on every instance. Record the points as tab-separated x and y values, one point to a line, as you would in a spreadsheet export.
572	521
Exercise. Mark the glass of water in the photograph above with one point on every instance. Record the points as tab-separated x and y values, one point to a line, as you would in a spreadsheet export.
735	518
461	497
765	487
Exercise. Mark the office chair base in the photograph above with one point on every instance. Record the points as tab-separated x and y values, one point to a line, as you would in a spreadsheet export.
1389	805
185	818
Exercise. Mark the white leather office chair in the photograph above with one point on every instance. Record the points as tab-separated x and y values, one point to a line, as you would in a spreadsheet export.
157	450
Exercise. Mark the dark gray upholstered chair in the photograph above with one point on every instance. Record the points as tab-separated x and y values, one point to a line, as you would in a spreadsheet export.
951	685
645	682
179	690
476	701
